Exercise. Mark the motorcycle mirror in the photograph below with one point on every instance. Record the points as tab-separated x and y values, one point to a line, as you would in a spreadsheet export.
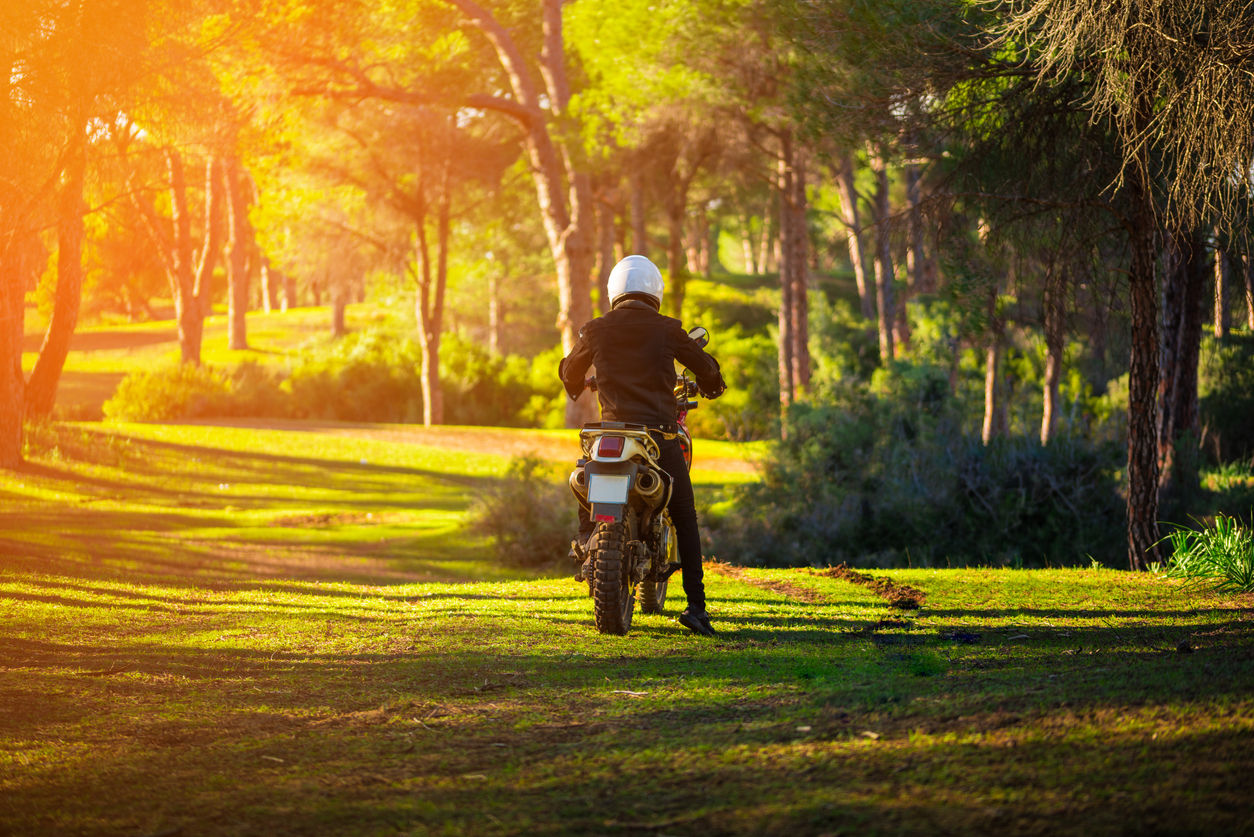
700	335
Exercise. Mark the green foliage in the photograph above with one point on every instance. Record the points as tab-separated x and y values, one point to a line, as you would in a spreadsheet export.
1226	389
530	514
1222	553
749	409
365	376
170	392
886	475
483	388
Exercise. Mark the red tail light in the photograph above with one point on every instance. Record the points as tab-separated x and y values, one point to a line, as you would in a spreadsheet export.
610	446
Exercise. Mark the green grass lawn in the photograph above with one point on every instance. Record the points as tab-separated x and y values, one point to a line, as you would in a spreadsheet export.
241	630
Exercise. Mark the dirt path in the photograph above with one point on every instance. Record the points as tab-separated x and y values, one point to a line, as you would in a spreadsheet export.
554	446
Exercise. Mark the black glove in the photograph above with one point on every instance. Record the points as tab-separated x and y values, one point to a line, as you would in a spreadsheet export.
715	391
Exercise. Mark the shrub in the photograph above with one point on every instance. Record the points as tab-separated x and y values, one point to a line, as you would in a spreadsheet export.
884	475
364	376
530	514
483	388
1222	553
170	392
1226	387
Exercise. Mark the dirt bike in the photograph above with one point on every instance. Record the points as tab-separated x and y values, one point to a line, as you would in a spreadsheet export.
632	550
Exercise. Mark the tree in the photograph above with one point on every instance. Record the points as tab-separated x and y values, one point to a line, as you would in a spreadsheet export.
56	81
1172	79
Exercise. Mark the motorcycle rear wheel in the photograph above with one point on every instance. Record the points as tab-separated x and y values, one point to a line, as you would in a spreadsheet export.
613	594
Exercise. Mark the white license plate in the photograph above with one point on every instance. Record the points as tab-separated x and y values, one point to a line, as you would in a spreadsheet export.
608	488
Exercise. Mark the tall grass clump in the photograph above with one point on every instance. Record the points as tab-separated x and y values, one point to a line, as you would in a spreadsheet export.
1222	553
530	515
887	475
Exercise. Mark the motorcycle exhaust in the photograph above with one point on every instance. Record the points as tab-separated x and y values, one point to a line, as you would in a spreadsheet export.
579	483
649	484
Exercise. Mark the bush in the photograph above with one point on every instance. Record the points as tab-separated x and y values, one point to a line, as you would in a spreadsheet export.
364	376
1226	387
530	514
170	392
884	476
483	388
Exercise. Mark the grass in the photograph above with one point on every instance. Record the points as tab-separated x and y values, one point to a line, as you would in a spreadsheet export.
240	630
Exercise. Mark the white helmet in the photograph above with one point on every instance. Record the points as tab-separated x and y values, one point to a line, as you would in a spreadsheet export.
635	275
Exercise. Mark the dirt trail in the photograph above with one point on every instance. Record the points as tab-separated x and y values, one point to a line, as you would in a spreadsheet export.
560	446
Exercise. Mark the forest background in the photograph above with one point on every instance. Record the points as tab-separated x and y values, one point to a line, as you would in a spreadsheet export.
981	271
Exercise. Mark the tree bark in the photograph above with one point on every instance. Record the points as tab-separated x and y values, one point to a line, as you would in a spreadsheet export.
606	217
788	287
639	231
747	244
676	258
920	268
1183	318
12	320
849	216
798	269
1054	310
883	261
1223	279
239	242
41	389
189	277
1248	272
1142	504
994	403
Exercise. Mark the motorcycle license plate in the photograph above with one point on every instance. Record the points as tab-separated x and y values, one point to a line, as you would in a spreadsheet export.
608	488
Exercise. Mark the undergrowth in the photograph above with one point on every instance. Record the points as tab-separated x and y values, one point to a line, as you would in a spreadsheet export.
1221	553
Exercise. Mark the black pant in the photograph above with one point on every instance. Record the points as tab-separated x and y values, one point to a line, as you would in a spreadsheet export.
683	511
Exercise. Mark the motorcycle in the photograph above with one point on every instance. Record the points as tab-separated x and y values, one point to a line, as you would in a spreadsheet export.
632	550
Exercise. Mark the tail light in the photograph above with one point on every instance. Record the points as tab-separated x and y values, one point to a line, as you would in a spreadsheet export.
611	446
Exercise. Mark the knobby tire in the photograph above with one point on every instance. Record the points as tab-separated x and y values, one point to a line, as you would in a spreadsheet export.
613	594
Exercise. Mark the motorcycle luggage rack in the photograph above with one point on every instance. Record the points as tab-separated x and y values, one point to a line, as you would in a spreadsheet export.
593	427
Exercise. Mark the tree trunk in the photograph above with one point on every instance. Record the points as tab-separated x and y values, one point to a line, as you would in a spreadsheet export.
676	259
747	244
239	242
798	269
189	280
1247	272
1178	415
639	232
1143	371
12	320
849	215
495	321
563	188
994	404
1223	279
766	242
1054	310
339	306
883	262
920	268
289	292
41	389
787	381
605	256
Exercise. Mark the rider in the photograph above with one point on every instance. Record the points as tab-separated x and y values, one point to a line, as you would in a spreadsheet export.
634	349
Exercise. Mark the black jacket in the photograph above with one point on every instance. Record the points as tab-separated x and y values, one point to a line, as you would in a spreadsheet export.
634	349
